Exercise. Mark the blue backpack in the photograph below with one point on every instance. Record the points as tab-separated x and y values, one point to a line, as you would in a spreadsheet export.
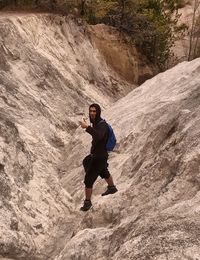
111	142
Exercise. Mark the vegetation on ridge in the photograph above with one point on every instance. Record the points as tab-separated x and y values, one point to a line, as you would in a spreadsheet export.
152	25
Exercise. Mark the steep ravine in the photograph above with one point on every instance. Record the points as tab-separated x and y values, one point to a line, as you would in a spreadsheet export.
156	166
50	72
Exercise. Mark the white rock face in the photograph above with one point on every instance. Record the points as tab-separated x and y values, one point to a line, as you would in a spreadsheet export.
49	74
156	167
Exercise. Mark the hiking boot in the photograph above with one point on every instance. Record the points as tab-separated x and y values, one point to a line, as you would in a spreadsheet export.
110	190
86	205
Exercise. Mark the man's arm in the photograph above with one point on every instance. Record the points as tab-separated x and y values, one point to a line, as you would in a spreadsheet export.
99	132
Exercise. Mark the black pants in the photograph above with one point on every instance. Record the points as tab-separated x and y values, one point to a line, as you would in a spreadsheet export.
95	167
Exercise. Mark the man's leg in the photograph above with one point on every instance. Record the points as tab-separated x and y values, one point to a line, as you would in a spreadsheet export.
88	193
90	177
87	162
110	181
111	189
87	202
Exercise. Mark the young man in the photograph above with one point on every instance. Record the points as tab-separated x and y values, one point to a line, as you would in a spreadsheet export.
95	164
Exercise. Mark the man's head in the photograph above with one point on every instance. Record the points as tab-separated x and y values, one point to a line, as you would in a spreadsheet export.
94	112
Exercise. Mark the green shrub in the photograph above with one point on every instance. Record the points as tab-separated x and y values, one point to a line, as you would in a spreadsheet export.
150	24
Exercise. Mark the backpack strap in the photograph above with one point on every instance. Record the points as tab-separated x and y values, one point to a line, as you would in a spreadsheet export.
103	120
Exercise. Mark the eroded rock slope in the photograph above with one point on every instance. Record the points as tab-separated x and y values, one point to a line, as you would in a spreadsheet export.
49	73
156	166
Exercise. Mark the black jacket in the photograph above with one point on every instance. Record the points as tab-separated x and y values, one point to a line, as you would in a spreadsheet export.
99	133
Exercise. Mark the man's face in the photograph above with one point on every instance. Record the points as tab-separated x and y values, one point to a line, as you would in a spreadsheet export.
92	113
